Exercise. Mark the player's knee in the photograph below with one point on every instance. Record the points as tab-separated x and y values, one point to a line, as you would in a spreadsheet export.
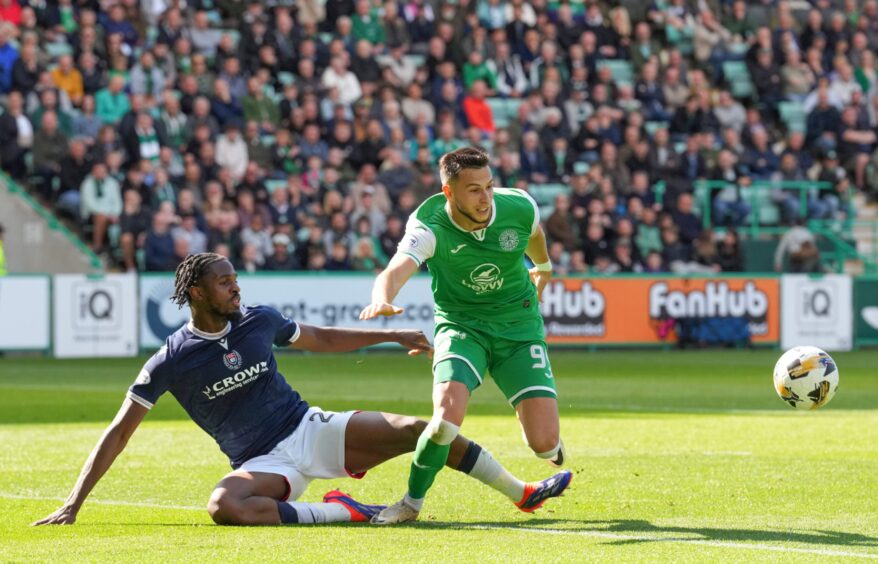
544	443
224	509
441	431
409	428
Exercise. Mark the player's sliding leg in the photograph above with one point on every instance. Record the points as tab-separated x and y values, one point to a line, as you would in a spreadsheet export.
373	438
255	498
541	427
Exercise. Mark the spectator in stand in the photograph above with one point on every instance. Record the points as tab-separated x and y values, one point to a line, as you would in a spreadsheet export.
687	222
534	164
623	257
729	207
75	166
478	112
797	77
559	225
822	121
281	259
392	235
196	240
258	107
856	140
729	254
766	78
111	103
231	150
797	250
100	204
49	149
134	222
339	77
26	69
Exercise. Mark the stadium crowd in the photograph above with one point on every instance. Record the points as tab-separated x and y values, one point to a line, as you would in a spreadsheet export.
299	135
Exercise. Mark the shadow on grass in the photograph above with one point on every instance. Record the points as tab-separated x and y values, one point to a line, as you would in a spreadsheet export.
641	531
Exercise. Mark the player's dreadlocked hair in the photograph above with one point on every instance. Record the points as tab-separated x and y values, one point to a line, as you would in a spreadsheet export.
189	273
452	163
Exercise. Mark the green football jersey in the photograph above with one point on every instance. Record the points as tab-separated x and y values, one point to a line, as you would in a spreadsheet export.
477	274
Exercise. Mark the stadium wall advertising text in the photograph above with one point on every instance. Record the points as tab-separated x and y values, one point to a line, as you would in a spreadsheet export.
334	301
638	310
95	317
24	313
817	311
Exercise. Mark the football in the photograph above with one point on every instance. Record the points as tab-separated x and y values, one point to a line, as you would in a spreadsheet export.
806	377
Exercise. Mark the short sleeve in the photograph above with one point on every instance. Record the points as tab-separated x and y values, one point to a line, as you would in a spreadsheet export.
418	243
154	379
284	330
536	221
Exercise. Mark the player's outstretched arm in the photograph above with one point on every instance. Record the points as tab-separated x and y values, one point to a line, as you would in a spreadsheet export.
338	339
387	286
108	448
539	254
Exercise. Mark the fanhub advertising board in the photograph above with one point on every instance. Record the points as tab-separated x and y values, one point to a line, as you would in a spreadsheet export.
642	310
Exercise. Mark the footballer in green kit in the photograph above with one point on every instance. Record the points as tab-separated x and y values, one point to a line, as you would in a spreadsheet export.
473	238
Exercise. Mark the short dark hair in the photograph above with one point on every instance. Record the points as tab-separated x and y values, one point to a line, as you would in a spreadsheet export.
189	273
452	163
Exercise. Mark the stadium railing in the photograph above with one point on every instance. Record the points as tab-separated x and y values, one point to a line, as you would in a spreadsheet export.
764	211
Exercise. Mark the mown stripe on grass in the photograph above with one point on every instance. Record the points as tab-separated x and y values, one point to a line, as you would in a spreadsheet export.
533	530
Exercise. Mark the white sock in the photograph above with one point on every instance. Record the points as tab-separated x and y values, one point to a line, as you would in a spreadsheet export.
556	456
309	513
493	474
415	504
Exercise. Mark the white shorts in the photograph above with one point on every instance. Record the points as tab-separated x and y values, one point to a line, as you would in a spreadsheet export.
314	450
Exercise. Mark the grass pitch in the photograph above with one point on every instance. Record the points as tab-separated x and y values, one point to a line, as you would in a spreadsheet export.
678	457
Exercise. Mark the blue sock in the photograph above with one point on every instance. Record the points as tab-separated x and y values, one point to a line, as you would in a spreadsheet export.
288	514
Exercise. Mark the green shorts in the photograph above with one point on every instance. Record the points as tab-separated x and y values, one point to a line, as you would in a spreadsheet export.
465	352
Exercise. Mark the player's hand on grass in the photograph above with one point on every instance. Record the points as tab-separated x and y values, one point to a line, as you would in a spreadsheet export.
540	278
62	516
372	311
416	342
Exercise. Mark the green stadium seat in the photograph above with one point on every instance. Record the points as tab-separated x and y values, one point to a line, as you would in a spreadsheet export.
57	49
793	115
738	78
416	59
620	69
275	184
234	34
286	78
498	111
653	126
544	194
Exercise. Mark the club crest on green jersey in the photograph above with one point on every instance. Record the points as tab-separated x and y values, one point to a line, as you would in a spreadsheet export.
484	278
508	240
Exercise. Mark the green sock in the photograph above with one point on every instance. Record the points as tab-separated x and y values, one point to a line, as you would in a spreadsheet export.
429	458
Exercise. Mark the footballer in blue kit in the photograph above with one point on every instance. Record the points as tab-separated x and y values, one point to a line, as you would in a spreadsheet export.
221	368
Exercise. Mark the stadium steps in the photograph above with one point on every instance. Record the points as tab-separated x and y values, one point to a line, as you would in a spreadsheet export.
36	240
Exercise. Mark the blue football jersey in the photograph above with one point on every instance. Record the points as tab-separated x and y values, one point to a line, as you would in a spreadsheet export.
228	382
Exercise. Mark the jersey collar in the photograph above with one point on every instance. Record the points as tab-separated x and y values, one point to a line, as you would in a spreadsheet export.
209	336
479	234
